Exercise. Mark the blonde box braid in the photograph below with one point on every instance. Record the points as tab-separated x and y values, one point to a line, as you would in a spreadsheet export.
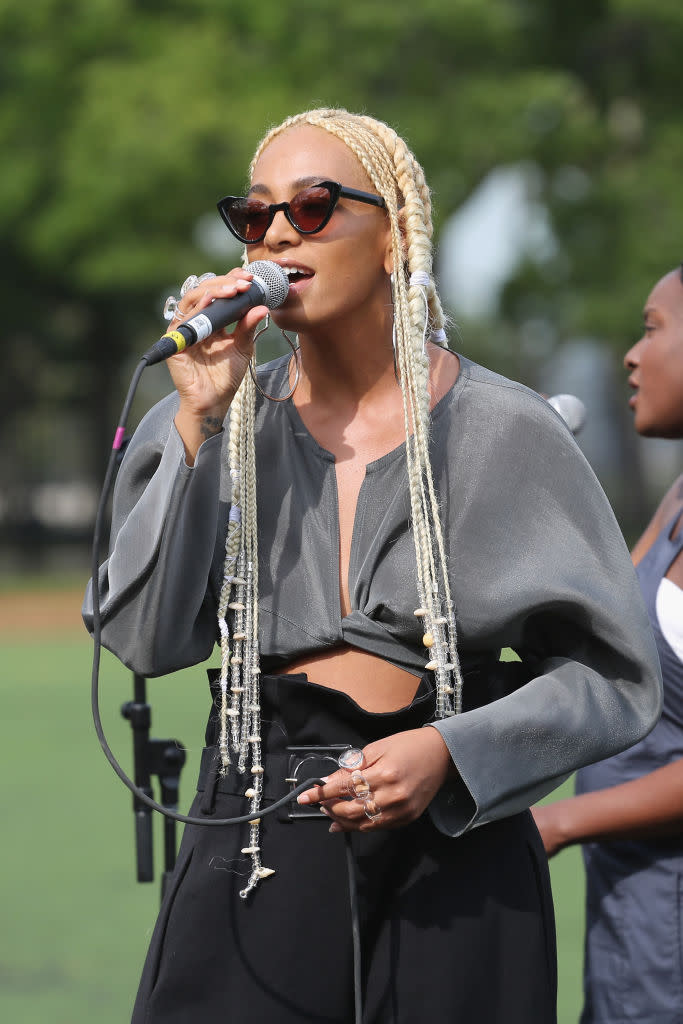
418	316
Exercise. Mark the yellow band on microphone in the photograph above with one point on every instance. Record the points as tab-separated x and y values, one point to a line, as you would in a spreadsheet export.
178	338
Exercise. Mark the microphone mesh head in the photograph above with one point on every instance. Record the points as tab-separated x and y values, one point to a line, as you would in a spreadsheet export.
571	409
272	279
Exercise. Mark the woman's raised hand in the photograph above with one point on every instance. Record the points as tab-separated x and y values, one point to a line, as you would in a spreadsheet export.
208	374
398	778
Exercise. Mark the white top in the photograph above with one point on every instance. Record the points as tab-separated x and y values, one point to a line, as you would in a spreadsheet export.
670	615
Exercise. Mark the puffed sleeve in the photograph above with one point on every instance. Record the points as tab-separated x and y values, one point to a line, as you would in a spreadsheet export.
157	593
539	565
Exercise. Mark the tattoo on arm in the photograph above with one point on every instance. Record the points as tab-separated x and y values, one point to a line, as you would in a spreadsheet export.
210	425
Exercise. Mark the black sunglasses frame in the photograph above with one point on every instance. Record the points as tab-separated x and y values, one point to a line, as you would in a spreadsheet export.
336	191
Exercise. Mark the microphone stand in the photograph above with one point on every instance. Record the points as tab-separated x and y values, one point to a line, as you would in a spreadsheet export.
165	759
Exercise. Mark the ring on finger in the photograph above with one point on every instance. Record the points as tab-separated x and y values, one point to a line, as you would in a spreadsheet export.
371	809
172	310
359	786
193	282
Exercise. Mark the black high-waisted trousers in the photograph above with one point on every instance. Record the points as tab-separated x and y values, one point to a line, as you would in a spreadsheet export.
454	931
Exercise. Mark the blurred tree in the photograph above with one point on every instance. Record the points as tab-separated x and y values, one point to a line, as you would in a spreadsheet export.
124	120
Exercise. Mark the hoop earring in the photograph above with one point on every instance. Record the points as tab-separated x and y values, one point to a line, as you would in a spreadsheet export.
295	351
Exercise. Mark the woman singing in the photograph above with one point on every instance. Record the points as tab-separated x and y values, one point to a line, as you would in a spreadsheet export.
362	526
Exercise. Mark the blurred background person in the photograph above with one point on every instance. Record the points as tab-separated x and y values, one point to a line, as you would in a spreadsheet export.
628	811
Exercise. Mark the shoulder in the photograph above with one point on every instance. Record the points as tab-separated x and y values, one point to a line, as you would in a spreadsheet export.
669	507
489	398
671	504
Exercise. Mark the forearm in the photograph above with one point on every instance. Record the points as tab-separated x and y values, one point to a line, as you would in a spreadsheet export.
647	807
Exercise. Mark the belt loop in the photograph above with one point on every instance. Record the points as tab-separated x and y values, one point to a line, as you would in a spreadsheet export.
208	804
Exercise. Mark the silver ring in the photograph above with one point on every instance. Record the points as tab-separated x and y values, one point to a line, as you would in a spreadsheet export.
170	307
193	282
172	310
179	315
350	759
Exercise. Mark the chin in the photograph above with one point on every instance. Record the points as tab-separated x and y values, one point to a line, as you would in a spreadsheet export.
666	430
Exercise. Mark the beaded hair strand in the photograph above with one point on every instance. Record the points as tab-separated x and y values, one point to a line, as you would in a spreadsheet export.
418	317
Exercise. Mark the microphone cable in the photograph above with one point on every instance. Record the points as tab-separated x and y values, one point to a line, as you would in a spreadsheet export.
107	486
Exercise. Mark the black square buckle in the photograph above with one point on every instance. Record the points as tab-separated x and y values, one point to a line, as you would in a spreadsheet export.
310	763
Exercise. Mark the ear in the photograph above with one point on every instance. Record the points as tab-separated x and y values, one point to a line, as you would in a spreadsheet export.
389	252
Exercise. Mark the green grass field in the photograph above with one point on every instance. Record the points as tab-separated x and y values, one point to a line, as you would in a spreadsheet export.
75	921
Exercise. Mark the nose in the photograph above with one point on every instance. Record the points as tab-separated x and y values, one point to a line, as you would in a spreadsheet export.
632	357
280	232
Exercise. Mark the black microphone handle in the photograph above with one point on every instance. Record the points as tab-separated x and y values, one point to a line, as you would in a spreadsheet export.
218	314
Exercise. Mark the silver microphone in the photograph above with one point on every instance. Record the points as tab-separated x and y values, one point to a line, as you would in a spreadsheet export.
571	409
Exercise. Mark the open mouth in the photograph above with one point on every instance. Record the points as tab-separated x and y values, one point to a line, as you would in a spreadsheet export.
297	274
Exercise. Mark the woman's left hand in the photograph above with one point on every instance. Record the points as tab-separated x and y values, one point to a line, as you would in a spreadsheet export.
404	773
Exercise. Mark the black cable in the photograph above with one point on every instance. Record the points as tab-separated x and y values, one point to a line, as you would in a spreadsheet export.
95	705
355	930
97	646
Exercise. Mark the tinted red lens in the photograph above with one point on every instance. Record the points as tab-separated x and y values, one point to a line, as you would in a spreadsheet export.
249	218
310	207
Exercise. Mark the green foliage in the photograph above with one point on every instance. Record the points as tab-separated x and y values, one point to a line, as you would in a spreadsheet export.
123	122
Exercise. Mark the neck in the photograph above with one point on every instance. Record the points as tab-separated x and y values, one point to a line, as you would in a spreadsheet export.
348	362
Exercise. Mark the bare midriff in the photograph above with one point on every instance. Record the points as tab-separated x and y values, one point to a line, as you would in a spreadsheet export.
375	684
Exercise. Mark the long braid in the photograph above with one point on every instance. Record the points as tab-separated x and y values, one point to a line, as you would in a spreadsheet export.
397	175
240	720
418	317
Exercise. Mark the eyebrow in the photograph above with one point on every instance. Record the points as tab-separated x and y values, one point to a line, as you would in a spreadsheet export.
313	179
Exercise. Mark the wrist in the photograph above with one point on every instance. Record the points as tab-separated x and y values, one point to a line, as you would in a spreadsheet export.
563	822
441	753
196	427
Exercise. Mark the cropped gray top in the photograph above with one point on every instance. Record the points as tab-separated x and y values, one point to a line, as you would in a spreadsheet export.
536	561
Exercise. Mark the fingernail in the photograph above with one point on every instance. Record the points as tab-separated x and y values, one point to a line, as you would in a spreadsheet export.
334	827
304	798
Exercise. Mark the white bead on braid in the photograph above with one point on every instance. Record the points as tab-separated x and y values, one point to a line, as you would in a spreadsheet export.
239	713
418	317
